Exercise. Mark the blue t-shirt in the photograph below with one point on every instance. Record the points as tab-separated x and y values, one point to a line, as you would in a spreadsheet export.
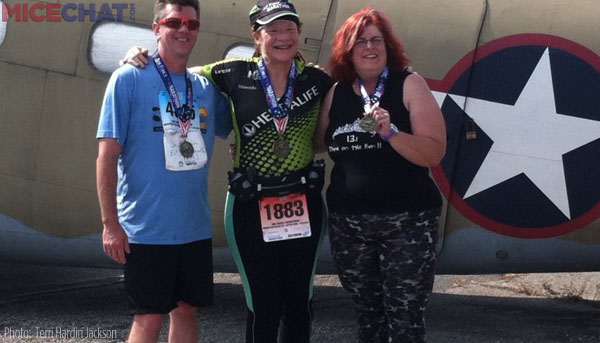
155	205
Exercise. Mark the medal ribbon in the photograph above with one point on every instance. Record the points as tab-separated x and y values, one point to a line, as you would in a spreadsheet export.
279	112
182	112
372	100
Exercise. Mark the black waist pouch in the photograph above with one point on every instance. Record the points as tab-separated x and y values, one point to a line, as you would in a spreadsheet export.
247	185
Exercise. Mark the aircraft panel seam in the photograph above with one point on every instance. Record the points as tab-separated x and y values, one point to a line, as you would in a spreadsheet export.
39	131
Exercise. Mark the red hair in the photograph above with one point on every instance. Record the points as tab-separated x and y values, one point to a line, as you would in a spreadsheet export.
340	62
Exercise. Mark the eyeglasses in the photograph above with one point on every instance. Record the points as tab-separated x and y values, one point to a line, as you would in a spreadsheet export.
175	23
361	43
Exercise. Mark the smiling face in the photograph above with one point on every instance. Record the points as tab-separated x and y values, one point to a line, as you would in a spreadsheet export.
176	43
369	54
278	41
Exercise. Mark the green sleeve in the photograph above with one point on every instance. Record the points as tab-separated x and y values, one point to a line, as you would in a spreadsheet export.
207	71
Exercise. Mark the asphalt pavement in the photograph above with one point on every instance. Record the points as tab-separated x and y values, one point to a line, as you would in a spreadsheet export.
61	304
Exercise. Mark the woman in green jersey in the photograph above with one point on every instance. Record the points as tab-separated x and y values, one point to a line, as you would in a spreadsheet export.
274	212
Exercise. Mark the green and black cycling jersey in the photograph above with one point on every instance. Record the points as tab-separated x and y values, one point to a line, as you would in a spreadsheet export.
253	126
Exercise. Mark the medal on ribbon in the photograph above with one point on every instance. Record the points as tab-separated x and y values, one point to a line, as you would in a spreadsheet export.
279	112
281	147
367	122
183	113
186	149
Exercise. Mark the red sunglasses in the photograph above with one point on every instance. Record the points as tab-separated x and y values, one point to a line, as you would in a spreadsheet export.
175	23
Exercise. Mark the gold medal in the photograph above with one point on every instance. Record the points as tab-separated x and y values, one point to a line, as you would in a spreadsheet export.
368	123
186	149
281	148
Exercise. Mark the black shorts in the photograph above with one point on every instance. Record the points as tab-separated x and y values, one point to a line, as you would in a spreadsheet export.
157	277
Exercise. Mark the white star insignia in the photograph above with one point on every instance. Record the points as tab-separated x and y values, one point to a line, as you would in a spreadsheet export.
529	137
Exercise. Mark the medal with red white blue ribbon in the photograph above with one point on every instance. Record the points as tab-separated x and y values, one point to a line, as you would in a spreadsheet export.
280	112
184	113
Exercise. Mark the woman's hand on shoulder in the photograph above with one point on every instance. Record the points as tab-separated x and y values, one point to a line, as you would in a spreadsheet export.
137	56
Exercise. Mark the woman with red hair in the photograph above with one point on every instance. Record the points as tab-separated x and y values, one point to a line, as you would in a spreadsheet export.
383	129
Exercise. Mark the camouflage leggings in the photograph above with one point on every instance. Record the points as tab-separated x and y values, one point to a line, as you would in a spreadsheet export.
387	263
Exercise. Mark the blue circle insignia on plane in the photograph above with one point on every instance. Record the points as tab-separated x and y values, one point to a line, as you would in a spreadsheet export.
530	166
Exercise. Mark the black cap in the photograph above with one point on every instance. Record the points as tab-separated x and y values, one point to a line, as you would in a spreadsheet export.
266	11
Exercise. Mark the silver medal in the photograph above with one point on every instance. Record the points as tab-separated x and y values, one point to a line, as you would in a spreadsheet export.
368	123
187	149
281	148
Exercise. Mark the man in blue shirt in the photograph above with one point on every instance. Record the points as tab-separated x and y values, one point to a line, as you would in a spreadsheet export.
156	134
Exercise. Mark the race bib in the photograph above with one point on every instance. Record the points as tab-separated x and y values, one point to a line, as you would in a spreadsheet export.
284	218
181	153
187	153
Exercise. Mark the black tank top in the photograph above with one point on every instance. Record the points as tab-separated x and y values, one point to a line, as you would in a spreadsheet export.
369	176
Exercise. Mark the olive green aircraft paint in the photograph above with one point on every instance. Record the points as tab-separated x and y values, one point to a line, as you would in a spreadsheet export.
51	94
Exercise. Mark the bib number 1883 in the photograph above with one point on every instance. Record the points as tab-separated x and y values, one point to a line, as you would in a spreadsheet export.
288	209
284	218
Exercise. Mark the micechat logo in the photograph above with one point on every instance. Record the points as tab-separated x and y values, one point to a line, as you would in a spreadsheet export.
69	12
